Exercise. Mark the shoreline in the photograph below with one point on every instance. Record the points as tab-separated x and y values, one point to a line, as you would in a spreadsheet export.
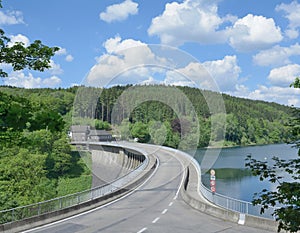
236	146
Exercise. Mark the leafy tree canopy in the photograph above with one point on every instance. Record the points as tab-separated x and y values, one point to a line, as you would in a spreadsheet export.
296	84
286	174
35	56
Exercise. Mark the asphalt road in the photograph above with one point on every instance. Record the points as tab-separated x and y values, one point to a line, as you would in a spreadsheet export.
155	206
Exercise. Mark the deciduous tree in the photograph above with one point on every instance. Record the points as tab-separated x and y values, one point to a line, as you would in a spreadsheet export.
287	195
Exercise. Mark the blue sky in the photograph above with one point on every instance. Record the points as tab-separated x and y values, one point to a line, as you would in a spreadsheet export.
251	49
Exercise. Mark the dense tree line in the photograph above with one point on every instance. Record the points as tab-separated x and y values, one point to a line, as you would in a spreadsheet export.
133	110
247	121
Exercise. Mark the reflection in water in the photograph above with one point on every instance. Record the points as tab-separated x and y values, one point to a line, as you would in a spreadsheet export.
233	179
234	174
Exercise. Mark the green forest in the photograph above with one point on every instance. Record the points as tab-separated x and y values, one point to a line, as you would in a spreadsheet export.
247	122
38	163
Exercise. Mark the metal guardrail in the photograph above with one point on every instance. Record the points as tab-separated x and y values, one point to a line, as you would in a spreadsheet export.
229	203
236	205
63	202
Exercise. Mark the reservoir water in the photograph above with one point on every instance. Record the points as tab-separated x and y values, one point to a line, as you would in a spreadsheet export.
232	177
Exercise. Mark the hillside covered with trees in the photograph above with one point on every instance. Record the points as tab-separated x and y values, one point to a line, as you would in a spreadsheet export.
247	121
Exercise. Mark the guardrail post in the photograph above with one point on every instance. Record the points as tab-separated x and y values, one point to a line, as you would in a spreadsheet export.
39	209
60	203
247	208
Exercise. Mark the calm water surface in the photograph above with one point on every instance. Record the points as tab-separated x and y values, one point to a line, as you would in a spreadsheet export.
232	178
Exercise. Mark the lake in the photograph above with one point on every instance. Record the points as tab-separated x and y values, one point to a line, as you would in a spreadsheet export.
232	178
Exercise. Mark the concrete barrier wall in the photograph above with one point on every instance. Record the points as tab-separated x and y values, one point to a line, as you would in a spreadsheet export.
192	197
112	162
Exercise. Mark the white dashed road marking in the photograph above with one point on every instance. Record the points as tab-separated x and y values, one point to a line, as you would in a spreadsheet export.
155	220
165	211
144	229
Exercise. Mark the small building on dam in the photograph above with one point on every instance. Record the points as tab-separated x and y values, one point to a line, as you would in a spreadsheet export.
79	133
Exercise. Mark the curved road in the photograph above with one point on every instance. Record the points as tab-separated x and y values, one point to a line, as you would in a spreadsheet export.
153	207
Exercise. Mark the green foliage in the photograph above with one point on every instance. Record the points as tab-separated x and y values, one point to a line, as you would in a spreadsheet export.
140	130
104	125
22	178
286	174
124	130
296	84
59	161
232	173
36	56
68	185
34	148
157	132
94	123
14	112
248	122
287	194
173	138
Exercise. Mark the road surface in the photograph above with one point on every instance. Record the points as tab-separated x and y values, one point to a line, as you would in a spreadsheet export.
156	206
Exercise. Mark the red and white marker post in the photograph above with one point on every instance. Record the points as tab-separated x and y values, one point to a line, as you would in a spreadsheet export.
213	181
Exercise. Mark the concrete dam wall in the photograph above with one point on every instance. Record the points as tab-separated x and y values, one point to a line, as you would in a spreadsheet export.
112	162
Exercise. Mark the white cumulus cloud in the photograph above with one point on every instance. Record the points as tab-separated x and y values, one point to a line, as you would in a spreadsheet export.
11	17
115	45
55	68
225	72
199	21
69	58
292	13
53	81
219	75
129	57
64	52
61	51
18	38
254	32
283	95
119	12
285	75
20	79
276	56
192	20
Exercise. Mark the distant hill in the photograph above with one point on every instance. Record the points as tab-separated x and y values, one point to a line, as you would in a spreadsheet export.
247	121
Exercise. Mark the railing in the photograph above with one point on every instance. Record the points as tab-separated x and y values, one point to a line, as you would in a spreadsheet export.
229	203
236	205
60	203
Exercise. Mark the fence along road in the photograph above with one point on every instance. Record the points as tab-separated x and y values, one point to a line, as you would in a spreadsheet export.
137	169
156	206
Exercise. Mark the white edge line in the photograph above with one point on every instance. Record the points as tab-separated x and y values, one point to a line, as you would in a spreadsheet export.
182	179
100	207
